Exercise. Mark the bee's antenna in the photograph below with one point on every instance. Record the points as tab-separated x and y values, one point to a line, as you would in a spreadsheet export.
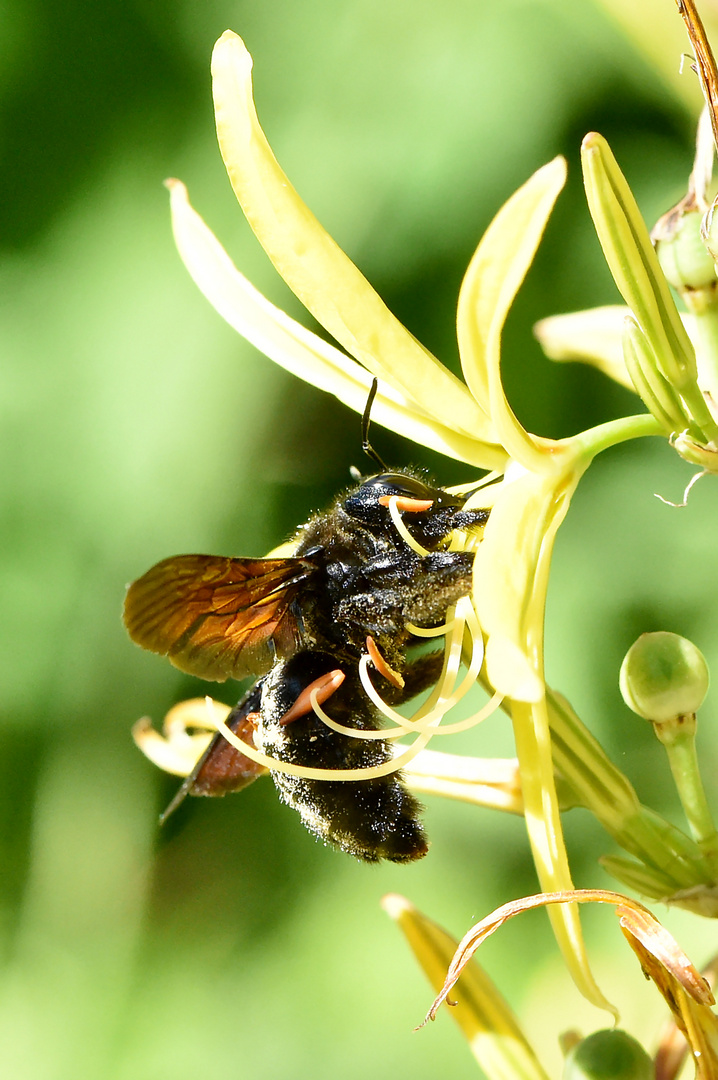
365	444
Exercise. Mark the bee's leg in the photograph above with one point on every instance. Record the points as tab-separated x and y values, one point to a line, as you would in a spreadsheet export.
419	675
324	686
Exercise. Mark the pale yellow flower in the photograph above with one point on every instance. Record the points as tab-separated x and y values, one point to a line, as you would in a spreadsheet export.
418	396
669	359
532	479
494	636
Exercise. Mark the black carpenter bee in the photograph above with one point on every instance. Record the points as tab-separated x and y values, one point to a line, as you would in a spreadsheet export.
302	623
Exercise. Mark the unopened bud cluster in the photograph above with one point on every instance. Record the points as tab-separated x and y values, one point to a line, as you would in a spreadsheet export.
685	254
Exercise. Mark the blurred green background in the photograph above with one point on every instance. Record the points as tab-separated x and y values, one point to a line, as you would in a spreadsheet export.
137	425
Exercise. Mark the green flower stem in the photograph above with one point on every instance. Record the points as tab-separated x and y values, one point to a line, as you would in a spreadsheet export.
678	737
591	442
604	790
704	307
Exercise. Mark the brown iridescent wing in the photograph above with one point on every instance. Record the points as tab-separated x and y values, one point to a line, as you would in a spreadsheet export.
215	617
222	768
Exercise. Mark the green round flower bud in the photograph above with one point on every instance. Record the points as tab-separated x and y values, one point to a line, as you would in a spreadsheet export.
683	256
608	1055
664	676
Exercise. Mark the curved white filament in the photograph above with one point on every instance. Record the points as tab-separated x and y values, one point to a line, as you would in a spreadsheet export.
425	724
429	631
359	733
471	721
402	529
307	773
446	694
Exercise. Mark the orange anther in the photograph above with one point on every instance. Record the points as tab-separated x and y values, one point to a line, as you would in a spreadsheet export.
405	505
381	665
325	686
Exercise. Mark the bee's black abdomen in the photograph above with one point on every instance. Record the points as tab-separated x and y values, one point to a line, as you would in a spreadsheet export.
391	814
372	819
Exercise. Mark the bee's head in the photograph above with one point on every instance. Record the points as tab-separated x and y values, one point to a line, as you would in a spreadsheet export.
433	511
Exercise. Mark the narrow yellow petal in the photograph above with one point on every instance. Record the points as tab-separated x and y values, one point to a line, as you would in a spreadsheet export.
492	782
300	351
592	337
510	669
312	264
486	1020
543	824
492	280
504	581
177	760
510	583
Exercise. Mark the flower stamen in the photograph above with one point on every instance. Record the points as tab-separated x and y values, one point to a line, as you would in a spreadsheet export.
175	750
309	773
320	690
359	733
406	504
381	665
430	631
401	528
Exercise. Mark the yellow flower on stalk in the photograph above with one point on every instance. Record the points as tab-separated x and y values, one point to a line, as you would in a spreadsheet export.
669	360
532	479
418	396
